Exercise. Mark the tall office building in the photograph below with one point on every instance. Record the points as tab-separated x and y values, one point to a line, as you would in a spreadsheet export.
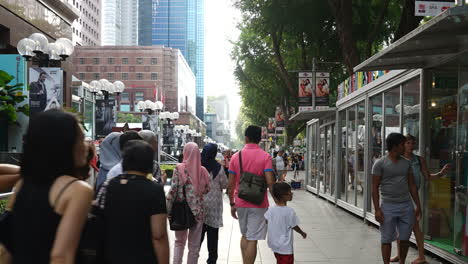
119	22
178	24
87	28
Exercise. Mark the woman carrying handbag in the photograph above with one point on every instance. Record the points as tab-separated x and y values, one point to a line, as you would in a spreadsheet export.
190	182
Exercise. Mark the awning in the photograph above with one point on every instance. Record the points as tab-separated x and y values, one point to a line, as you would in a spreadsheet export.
439	40
313	114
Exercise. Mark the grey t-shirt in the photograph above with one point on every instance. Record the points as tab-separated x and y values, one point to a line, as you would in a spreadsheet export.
394	179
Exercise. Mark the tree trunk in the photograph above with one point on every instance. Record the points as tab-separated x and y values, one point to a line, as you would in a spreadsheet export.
377	26
342	10
276	41
408	20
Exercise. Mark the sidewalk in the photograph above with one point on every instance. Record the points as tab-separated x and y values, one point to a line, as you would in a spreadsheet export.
333	236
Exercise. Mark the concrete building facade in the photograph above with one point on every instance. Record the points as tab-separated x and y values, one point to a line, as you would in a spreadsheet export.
87	28
149	73
119	25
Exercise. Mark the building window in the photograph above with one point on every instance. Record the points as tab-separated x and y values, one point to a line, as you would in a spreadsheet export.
96	76
82	76
82	60
139	60
124	97
96	60
110	60
154	61
139	76
125	76
110	76
124	107
124	60
154	76
139	96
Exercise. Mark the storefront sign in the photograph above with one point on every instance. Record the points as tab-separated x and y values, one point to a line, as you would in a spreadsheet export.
432	8
322	88
305	89
45	89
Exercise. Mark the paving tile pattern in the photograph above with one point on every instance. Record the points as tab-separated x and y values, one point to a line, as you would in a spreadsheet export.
333	237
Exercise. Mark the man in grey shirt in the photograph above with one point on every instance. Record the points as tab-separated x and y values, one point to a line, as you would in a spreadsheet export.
396	214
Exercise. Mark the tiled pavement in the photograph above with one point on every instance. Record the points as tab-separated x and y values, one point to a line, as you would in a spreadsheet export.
333	236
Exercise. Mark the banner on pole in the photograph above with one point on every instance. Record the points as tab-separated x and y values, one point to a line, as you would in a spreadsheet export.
322	88
279	118
305	89
271	125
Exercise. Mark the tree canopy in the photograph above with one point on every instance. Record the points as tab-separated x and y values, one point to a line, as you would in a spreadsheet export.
281	37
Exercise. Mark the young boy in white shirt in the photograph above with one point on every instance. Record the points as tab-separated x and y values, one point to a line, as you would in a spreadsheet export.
282	220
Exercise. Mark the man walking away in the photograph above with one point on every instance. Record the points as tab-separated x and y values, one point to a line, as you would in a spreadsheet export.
251	216
280	169
396	214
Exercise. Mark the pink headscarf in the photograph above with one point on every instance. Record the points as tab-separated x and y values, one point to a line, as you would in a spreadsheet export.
192	163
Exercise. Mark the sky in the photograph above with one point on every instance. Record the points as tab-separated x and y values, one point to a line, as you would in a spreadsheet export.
221	19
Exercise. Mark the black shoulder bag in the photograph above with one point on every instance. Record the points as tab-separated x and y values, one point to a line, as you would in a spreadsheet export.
181	216
252	187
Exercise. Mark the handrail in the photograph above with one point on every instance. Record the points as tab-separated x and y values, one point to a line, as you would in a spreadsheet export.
170	157
4	196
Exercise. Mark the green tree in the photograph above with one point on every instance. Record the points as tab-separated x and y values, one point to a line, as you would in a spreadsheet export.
128	118
280	37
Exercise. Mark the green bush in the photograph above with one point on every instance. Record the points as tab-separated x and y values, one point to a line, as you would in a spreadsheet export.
169	169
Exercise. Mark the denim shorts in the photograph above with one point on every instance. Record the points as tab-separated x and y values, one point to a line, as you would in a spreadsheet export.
398	221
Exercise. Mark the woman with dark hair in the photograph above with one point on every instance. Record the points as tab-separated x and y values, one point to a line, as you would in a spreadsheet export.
50	205
134	210
194	178
213	200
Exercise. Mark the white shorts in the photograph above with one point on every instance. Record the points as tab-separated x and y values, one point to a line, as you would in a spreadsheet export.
252	223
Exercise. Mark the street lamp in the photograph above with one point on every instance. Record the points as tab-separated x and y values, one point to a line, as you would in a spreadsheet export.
37	46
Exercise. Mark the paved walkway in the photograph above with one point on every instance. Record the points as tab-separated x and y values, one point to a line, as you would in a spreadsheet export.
334	236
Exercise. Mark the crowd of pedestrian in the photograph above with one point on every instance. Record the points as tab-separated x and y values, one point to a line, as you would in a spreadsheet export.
55	217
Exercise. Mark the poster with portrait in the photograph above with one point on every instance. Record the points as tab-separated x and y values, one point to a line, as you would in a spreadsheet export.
45	89
305	89
105	116
279	118
264	133
322	88
271	125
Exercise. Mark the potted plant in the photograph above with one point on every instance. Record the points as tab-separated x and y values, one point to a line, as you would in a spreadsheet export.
10	96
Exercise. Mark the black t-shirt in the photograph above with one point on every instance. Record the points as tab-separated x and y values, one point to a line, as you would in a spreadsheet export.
128	210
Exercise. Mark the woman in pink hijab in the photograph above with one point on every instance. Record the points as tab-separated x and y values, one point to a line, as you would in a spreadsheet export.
196	180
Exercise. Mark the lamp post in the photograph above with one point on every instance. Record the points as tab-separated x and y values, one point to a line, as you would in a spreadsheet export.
37	48
153	110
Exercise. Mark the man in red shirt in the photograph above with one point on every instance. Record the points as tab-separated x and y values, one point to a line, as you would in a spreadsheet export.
251	216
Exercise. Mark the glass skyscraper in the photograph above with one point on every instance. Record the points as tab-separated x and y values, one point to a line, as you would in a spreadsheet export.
178	24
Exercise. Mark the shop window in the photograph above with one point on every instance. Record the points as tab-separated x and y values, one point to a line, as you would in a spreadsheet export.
82	76
110	76
110	60
139	76
124	60
343	164
124	75
375	150
96	60
97	76
154	76
351	156
392	111
82	60
154	61
411	107
360	149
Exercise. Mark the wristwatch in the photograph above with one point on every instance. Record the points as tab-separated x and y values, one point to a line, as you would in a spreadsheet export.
232	204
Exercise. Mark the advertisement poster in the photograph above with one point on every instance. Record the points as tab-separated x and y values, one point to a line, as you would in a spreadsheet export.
433	7
45	89
105	116
149	122
322	88
305	89
264	133
271	128
279	118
